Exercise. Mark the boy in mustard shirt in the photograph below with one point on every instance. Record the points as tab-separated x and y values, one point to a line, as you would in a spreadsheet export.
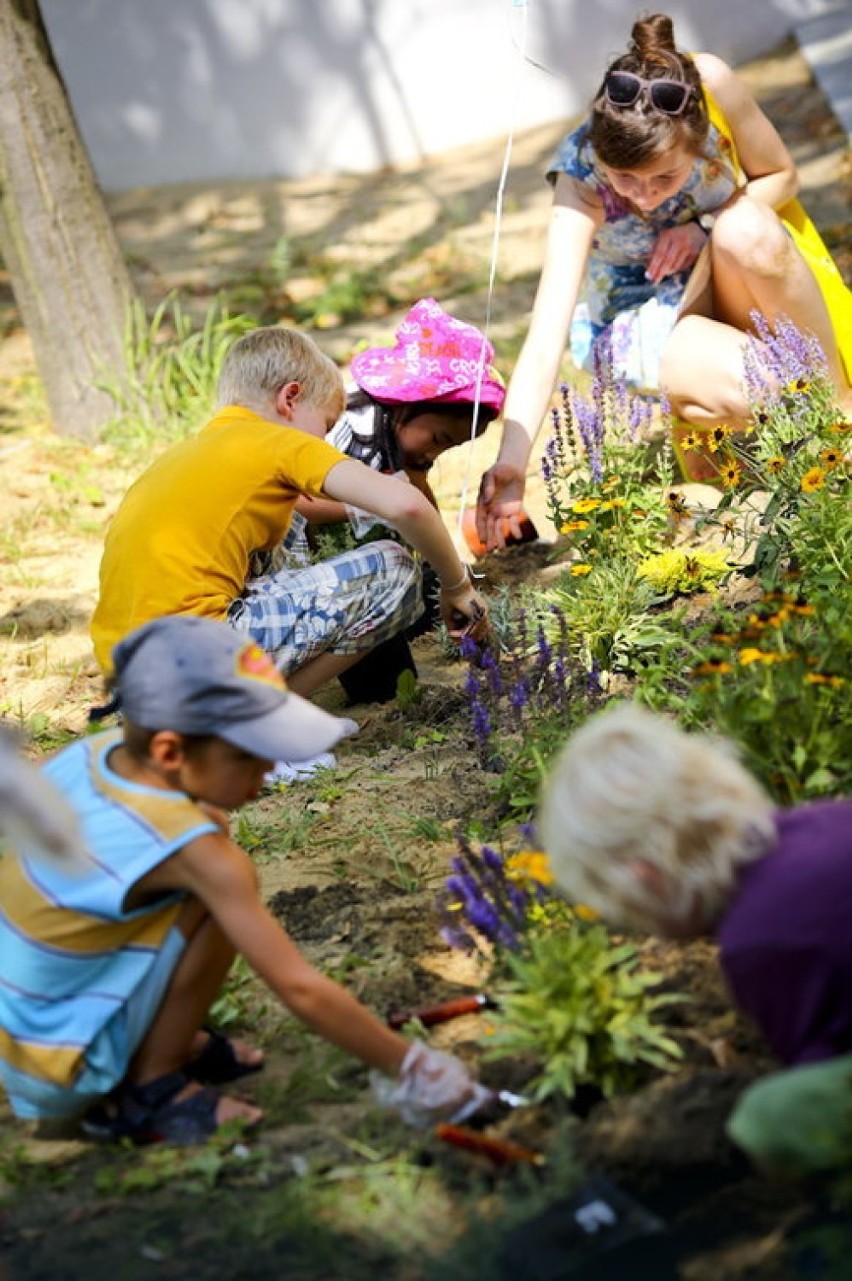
183	539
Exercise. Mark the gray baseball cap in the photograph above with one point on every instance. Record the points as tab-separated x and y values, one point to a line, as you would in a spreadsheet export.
199	676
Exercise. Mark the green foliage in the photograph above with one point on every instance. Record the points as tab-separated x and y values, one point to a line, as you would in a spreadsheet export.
172	367
606	489
608	616
408	690
775	682
580	1004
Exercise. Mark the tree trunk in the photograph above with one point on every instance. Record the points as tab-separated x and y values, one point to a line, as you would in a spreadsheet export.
67	272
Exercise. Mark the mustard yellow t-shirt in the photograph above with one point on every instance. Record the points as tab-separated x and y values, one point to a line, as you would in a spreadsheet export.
180	541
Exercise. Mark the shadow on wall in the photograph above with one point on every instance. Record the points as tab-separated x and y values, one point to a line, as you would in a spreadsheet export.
253	88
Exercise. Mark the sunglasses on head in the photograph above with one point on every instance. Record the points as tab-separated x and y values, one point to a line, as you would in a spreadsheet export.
622	88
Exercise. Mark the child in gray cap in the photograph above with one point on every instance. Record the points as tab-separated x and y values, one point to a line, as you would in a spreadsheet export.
108	967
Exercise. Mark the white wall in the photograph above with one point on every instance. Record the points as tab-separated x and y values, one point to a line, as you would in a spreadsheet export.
175	90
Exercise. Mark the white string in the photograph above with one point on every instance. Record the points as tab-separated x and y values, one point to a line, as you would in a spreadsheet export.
520	46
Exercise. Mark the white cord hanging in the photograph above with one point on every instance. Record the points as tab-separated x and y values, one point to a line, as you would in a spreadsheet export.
520	45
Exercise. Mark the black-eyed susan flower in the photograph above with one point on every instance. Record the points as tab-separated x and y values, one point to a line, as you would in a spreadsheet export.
529	865
610	503
831	458
717	436
692	440
840	429
776	464
731	474
798	385
712	667
812	480
571	526
676	504
580	570
584	505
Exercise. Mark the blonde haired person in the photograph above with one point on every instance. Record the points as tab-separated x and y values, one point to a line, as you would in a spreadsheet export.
187	536
666	832
674	219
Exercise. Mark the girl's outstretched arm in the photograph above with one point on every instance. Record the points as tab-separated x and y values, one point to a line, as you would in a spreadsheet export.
573	223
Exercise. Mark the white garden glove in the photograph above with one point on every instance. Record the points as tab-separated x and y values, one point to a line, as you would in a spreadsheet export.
432	1086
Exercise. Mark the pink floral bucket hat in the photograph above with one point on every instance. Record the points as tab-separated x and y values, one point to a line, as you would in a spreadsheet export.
435	357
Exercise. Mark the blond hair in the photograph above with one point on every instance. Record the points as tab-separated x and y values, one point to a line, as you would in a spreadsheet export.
631	788
260	363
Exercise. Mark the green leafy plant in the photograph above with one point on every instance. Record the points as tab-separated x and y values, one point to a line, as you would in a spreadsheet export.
584	1009
607	616
172	367
772	678
606	490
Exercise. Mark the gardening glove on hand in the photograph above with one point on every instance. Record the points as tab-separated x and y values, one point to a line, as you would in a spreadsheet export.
432	1086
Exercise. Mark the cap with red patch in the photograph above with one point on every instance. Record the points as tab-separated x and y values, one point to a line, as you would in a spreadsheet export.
199	676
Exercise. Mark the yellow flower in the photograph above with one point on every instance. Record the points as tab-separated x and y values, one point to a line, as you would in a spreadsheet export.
611	482
751	655
580	570
676	504
691	440
817	678
584	913
840	429
613	502
571	525
530	865
813	480
805	610
831	458
584	505
775	464
717	437
798	384
731	475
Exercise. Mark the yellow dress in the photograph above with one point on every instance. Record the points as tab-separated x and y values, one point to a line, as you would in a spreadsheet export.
837	297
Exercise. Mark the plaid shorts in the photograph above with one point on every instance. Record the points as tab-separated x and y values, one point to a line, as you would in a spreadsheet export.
345	605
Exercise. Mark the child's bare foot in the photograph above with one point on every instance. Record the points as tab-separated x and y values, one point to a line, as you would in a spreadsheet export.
170	1107
227	1107
216	1059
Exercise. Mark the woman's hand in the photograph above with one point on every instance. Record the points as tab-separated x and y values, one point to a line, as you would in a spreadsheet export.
499	506
676	250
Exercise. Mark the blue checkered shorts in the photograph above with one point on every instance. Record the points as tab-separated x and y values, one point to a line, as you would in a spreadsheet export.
345	605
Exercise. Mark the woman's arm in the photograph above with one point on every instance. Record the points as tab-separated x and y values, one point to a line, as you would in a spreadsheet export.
574	220
767	164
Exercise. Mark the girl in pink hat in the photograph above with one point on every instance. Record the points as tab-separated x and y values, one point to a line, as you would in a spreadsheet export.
436	387
416	399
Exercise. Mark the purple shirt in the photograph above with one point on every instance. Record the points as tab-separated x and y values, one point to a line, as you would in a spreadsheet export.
786	940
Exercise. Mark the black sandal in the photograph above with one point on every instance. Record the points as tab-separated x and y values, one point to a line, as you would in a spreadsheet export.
217	1064
152	1114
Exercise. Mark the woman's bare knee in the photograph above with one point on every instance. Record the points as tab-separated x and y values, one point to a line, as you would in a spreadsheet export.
751	236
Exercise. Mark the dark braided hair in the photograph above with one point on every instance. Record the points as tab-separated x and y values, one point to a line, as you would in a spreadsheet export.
629	137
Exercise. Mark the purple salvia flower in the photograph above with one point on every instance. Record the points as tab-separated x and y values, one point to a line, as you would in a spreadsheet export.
492	859
519	694
481	723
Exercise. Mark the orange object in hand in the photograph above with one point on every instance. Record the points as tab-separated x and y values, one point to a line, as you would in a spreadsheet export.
529	533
